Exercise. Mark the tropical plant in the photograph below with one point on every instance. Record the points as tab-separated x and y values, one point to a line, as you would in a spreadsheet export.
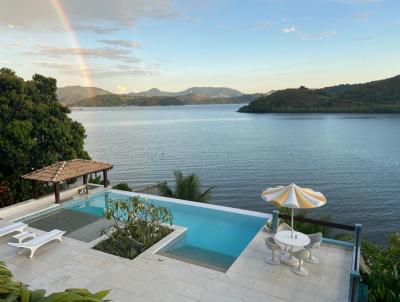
382	272
186	187
138	224
123	186
97	180
15	291
35	131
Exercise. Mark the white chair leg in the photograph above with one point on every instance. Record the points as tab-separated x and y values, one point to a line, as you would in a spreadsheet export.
311	258
300	270
272	260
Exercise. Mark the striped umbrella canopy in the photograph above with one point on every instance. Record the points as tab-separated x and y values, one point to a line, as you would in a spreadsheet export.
294	197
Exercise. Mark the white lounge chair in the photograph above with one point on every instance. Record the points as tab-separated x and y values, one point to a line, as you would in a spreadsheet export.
39	241
12	228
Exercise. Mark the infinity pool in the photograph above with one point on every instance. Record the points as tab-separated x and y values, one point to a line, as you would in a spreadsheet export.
215	235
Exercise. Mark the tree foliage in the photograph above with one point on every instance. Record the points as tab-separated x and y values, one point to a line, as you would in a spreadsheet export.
373	97
15	291
123	186
36	130
383	276
186	187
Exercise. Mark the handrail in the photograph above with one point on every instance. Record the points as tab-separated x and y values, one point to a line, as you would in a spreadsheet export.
354	274
319	222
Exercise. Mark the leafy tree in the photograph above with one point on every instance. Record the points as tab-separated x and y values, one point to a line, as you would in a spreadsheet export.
36	131
186	187
382	270
123	186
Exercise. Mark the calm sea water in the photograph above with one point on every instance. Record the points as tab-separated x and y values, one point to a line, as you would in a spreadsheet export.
353	159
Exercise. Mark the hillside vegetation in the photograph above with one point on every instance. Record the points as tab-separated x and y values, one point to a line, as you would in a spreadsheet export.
111	100
381	96
71	94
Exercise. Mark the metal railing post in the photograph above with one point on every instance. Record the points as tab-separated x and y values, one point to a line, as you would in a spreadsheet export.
355	274
357	241
275	218
354	285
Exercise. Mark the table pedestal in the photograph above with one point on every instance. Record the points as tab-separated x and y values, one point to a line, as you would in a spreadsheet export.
290	260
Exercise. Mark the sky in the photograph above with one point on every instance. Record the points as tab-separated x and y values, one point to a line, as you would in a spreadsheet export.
253	45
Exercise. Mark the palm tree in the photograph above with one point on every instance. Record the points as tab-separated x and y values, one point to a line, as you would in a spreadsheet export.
186	187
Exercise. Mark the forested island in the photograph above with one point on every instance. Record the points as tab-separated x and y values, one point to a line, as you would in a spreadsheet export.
381	96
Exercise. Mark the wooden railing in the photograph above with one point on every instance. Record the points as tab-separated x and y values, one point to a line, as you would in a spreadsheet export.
356	228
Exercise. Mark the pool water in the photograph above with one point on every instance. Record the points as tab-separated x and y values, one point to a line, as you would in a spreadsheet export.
215	235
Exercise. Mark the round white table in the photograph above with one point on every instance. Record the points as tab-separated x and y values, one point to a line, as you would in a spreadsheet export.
298	240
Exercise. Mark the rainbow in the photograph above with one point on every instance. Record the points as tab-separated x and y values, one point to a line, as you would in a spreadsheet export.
60	10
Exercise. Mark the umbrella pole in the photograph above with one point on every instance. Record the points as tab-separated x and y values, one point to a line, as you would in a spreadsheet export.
292	224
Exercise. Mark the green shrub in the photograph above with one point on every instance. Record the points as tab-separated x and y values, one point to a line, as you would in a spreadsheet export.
97	180
186	187
15	291
137	226
383	273
123	186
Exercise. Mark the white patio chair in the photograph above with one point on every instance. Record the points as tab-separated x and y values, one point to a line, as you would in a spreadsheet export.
301	255
39	241
284	227
271	244
315	241
12	228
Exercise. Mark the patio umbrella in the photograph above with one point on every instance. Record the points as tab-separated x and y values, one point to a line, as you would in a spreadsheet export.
294	197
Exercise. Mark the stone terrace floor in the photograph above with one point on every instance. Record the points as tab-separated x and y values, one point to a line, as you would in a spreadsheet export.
151	277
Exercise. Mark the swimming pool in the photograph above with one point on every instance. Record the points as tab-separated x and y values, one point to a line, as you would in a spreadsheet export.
215	235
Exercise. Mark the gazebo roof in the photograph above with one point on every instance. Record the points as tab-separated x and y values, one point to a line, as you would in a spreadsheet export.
65	170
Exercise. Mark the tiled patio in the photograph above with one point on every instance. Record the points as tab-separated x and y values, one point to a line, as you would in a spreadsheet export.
151	277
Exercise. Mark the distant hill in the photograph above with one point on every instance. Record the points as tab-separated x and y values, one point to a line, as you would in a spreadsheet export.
381	96
83	97
71	94
111	100
206	92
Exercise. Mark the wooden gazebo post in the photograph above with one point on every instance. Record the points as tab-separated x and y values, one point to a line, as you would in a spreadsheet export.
56	188
105	180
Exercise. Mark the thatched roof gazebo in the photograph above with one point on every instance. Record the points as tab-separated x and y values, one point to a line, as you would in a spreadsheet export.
65	170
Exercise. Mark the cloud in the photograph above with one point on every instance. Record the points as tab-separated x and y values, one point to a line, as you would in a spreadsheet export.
104	52
115	15
287	30
224	27
121	43
122	89
363	16
259	25
366	38
359	1
96	71
56	65
316	36
4	62
13	26
101	30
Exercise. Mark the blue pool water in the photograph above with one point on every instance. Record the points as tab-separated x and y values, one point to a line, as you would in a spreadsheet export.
212	233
